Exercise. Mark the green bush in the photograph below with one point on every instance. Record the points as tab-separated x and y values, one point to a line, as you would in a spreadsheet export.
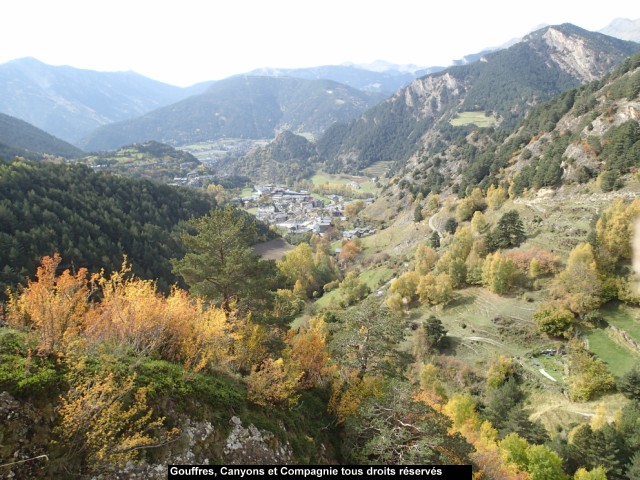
166	378
554	320
28	376
12	342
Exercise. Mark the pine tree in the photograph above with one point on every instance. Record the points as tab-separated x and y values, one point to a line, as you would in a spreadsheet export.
417	214
509	232
220	263
629	384
434	240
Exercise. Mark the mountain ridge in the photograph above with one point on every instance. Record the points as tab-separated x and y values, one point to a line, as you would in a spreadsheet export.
23	139
583	133
624	29
380	77
505	83
242	106
69	102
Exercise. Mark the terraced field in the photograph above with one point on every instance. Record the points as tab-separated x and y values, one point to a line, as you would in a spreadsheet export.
482	325
610	347
623	317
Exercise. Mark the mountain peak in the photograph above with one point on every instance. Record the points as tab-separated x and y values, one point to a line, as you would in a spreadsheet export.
26	60
578	52
624	29
382	66
505	84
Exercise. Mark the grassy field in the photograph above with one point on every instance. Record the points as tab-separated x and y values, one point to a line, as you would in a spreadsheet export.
603	343
376	277
552	408
399	240
366	185
246	192
476	336
479	119
624	317
378	169
332	297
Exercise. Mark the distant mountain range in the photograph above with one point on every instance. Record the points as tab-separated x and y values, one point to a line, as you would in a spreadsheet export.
624	29
241	107
104	111
69	103
380	77
19	138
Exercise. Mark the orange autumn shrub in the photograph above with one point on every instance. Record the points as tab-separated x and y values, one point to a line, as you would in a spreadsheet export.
53	306
546	261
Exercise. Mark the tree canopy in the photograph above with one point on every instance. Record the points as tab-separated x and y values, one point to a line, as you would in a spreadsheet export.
220	263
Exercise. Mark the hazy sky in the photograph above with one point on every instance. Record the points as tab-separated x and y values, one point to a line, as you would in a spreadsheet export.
188	41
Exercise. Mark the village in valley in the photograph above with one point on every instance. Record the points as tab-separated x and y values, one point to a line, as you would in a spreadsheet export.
299	211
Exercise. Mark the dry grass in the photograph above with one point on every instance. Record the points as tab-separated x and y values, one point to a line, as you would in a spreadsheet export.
273	249
553	409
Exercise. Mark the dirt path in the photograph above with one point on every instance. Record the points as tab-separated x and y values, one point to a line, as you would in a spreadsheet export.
432	224
546	374
484	339
567	407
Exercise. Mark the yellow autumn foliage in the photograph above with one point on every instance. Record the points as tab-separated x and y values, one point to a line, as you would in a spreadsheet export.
310	352
109	420
347	397
52	305
131	316
274	383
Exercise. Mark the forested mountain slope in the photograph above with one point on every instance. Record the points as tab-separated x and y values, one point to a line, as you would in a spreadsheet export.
241	107
288	158
150	160
91	219
587	132
504	85
30	141
68	102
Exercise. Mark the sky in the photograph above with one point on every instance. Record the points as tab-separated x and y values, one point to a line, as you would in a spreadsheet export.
188	41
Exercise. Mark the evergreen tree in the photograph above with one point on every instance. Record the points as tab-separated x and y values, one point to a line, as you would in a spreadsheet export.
451	225
633	468
367	338
220	263
434	332
434	240
417	214
629	384
509	232
603	447
392	428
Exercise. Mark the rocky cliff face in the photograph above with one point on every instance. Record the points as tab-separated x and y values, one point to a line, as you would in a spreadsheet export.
574	56
27	442
430	96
